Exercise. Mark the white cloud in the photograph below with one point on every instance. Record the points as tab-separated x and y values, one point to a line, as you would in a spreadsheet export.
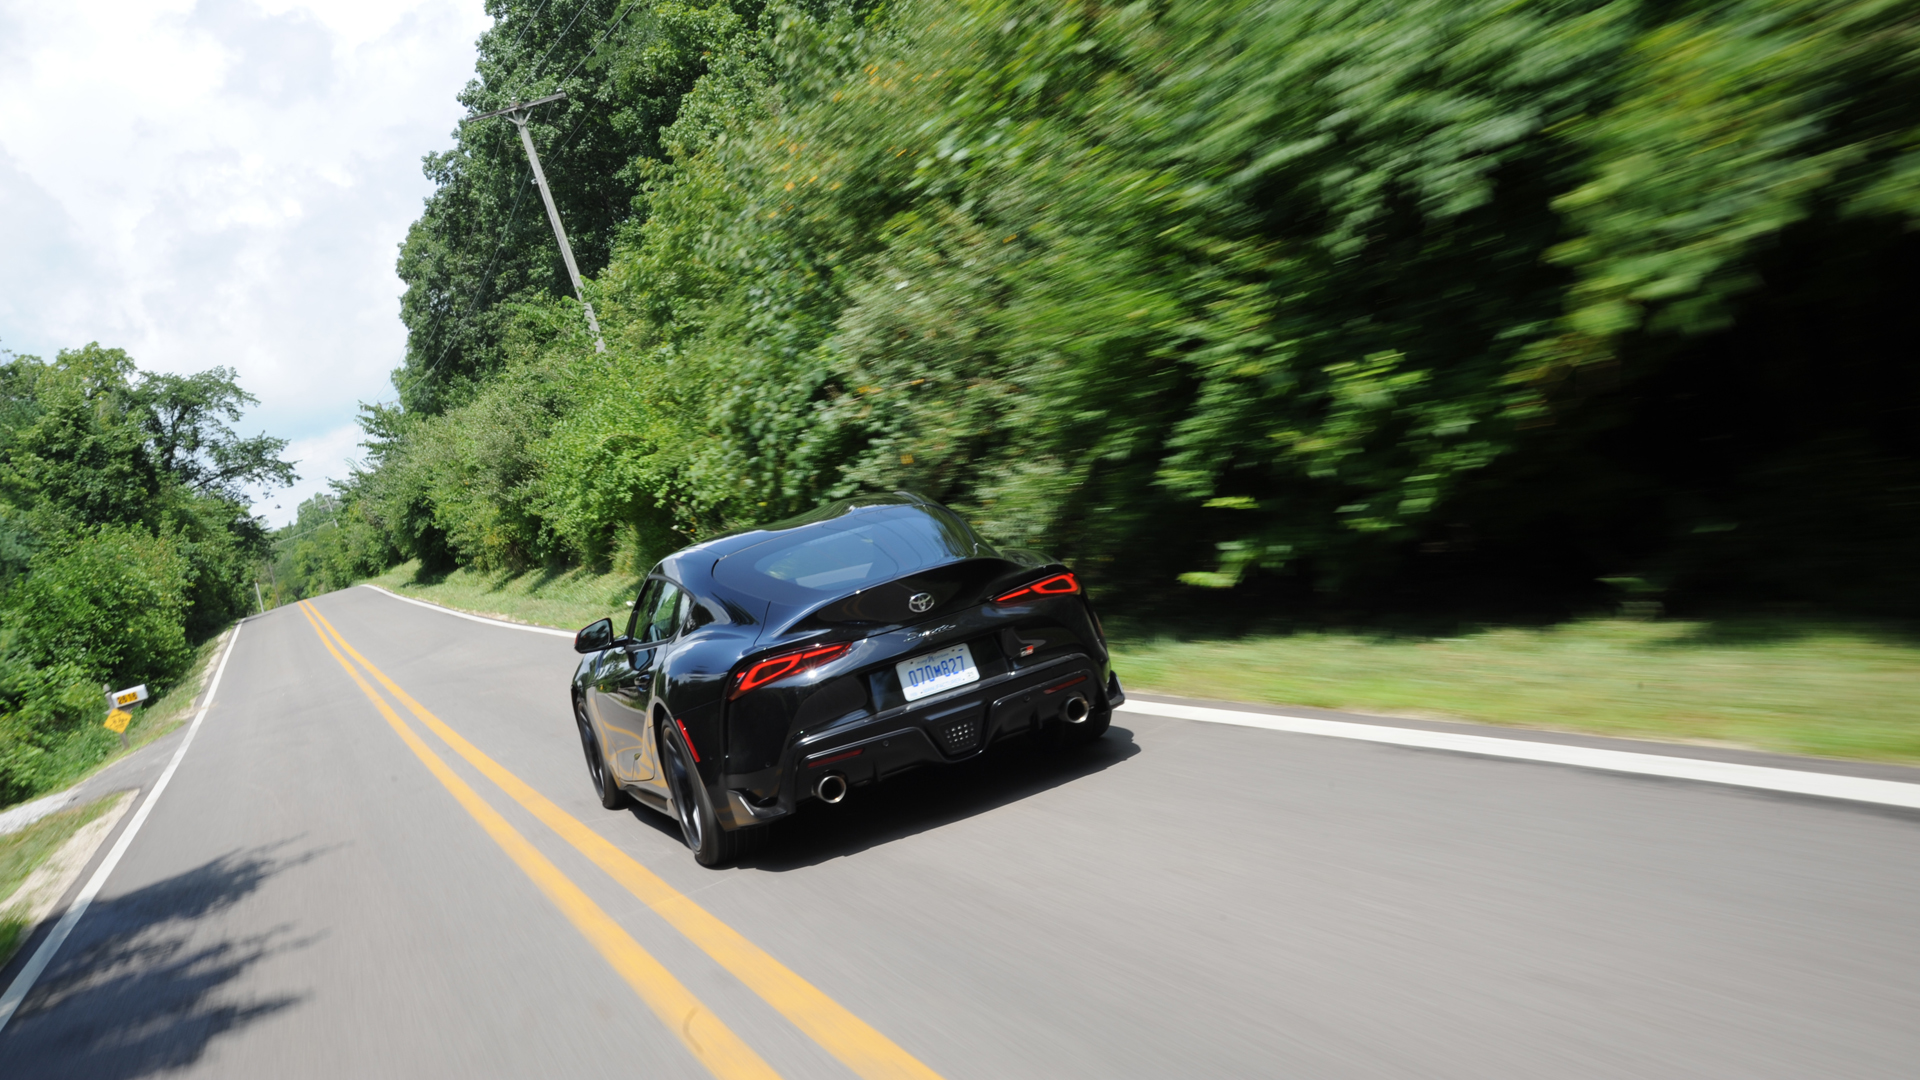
225	182
329	454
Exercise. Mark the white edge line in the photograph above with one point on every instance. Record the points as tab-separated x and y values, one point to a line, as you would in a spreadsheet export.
23	982
464	615
1793	781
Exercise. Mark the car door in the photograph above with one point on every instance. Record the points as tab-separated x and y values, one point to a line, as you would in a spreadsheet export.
625	683
623	729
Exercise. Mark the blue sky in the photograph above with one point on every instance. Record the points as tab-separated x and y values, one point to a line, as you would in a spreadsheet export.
226	182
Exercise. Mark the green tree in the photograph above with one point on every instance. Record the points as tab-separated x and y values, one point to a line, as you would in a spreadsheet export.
187	419
483	243
1353	298
76	446
124	538
111	600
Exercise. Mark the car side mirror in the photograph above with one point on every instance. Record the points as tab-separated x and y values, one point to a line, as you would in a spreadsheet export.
594	637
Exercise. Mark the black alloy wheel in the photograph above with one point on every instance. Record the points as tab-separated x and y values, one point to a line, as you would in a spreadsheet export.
700	826
611	796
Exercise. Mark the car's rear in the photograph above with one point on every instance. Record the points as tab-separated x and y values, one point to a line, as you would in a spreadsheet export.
896	637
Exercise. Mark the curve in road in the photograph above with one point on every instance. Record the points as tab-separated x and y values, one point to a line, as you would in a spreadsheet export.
1183	899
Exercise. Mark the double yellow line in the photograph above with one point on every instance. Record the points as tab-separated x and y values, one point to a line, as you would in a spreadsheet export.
868	1053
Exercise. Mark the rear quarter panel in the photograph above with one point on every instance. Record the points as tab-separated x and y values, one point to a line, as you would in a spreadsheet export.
694	685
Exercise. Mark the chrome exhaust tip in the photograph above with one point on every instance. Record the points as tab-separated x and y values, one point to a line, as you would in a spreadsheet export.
1076	710
831	789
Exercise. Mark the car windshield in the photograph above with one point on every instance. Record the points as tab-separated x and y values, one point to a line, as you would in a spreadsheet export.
864	546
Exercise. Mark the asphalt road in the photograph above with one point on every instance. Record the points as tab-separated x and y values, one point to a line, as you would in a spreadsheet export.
310	898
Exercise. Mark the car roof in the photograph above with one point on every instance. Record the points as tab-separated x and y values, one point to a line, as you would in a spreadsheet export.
693	566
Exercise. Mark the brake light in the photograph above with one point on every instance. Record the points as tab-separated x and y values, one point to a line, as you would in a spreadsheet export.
774	668
1057	585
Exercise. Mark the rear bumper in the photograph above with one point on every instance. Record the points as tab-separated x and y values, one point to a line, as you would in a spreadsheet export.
942	729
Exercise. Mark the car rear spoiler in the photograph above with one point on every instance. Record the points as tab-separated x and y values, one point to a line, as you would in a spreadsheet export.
911	598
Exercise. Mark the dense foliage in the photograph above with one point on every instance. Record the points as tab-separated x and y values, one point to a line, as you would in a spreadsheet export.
1421	301
124	539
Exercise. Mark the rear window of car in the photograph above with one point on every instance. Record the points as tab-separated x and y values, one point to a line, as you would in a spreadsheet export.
864	546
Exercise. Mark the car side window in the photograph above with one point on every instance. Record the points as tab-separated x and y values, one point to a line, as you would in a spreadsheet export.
643	607
661	622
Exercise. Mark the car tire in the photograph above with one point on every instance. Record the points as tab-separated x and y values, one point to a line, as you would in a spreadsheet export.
712	844
604	785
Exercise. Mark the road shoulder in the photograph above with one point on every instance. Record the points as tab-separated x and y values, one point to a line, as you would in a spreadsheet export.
50	882
1872	770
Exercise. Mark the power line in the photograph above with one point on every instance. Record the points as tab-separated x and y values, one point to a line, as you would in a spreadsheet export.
283	539
566	137
613	23
333	521
486	276
486	281
528	25
562	36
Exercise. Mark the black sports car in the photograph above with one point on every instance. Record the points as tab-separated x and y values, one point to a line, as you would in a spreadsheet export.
795	662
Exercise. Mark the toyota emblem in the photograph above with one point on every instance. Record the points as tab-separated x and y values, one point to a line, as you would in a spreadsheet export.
920	601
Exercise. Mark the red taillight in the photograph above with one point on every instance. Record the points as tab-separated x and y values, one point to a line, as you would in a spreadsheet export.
1057	585
779	667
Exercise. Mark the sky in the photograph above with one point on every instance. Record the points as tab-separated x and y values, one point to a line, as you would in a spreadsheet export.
224	182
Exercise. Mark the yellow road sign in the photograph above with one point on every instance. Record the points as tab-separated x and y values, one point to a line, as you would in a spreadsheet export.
117	721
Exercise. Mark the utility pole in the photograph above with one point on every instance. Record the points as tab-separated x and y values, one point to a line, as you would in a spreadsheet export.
518	114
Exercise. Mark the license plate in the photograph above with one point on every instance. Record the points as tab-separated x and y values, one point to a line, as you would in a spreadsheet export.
930	673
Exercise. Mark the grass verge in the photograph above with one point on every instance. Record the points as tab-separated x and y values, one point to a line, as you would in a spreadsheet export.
568	599
171	709
92	749
21	853
1786	686
1794	686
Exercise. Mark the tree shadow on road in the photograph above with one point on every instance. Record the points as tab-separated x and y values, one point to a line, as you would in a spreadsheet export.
138	988
930	798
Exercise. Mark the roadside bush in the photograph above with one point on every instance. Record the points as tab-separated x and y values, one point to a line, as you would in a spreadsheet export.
124	538
1349	302
49	725
111	602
